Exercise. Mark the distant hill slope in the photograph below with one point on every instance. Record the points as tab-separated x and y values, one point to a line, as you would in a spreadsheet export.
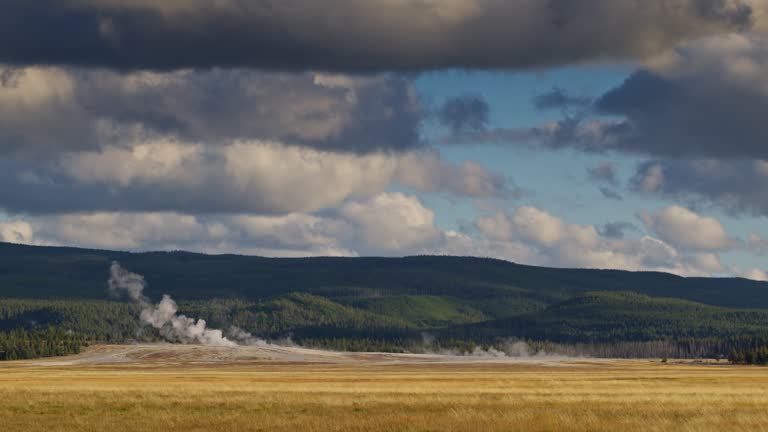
389	304
623	316
492	287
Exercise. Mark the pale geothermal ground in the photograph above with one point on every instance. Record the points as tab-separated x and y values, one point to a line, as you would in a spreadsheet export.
194	388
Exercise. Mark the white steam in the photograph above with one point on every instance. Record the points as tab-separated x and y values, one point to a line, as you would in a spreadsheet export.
180	328
512	349
121	281
244	338
509	349
163	316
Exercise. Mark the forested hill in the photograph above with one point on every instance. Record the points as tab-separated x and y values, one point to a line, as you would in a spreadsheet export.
53	272
375	303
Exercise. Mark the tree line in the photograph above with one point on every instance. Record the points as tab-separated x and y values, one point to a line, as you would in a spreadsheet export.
19	344
39	328
749	356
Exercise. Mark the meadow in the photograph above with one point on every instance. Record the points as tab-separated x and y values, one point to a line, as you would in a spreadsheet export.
578	395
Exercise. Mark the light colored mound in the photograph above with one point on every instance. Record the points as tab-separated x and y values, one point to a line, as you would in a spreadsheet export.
177	354
166	353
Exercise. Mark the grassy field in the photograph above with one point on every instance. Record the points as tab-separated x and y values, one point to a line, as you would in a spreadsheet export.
580	396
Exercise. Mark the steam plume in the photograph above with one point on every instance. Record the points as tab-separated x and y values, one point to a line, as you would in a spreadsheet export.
121	281
163	316
506	349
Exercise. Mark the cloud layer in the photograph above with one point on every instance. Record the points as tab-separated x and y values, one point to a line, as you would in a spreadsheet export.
351	35
253	177
294	128
384	224
215	141
396	224
46	110
703	99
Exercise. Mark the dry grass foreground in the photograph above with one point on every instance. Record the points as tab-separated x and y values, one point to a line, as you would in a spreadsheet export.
372	395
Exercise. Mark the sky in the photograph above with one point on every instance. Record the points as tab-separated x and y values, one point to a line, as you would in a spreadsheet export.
619	134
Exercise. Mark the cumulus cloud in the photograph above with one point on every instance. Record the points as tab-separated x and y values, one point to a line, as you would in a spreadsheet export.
427	172
258	177
754	274
352	35
16	231
687	230
388	224
544	239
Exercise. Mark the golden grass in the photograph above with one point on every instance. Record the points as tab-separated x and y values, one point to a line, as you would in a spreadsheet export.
619	396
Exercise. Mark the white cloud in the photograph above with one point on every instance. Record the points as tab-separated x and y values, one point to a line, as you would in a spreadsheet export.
124	230
146	162
757	244
254	177
754	274
16	231
387	224
391	222
544	239
426	171
296	179
687	230
709	262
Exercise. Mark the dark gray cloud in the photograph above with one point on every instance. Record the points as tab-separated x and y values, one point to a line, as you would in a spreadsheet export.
706	99
571	131
617	230
46	111
688	117
738	186
464	113
558	98
604	172
351	35
611	194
